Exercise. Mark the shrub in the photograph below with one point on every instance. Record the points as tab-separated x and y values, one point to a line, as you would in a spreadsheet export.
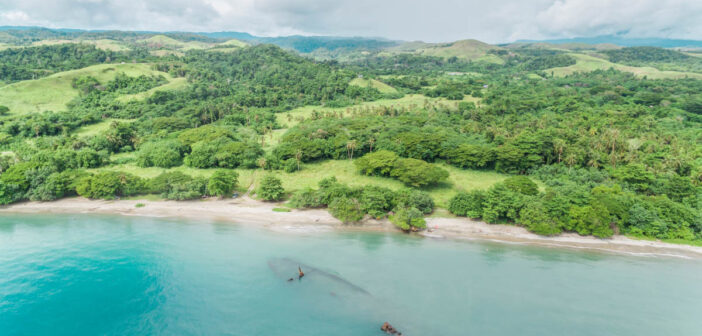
346	209
536	219
502	203
270	189
222	183
186	190
177	186
408	218
468	204
379	163
109	184
308	198
164	154
522	185
418	173
410	198
223	153
377	201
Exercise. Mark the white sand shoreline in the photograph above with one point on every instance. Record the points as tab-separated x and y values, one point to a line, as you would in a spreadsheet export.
247	211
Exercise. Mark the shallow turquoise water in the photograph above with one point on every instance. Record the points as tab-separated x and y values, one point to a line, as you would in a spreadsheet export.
109	275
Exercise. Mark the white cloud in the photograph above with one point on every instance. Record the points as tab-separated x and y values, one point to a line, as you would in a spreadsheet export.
431	20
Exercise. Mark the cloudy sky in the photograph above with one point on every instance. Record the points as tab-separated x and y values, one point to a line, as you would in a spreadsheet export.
429	20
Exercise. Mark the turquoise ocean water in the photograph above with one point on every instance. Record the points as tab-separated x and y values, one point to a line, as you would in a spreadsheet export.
111	275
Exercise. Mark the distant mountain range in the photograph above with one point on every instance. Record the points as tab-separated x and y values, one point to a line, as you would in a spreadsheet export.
309	44
625	41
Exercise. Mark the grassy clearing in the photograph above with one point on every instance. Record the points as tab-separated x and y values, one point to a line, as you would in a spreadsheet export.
291	118
52	93
343	170
380	86
234	43
107	44
95	129
162	41
51	42
465	49
587	63
173	84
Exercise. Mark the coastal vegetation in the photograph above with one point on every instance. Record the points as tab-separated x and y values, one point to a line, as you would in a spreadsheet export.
524	136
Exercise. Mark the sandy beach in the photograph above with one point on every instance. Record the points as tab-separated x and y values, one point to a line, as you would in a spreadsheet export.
245	210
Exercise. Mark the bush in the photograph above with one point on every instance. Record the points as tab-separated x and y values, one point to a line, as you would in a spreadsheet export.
164	154
522	185
222	183
270	189
468	204
502	203
346	209
186	190
377	201
408	219
223	153
418	173
410	198
109	184
177	186
379	163
308	198
592	219
536	219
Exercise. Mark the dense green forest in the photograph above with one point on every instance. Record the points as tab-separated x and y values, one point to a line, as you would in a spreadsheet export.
598	153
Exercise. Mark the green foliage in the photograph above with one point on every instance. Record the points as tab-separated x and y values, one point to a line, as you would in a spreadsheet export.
270	189
418	173
223	153
222	183
109	185
535	217
468	204
408	219
164	154
346	209
591	219
307	198
503	203
522	185
411	198
377	201
177	186
380	163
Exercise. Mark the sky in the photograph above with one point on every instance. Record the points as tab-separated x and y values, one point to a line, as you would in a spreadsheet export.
494	21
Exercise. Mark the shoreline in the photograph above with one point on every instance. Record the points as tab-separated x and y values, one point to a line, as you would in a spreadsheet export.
245	210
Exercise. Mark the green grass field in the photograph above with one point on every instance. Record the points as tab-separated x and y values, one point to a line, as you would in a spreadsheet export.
343	170
382	87
466	49
95	129
52	93
162	41
234	43
587	63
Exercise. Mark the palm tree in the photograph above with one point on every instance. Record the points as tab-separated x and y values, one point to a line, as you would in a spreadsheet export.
371	141
570	160
298	158
350	147
558	147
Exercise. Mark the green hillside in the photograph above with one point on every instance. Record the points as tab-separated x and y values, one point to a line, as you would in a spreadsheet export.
52	93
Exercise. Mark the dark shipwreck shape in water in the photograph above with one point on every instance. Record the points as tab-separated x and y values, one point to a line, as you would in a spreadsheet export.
285	268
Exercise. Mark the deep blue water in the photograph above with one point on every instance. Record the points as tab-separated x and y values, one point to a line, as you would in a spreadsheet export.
111	275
